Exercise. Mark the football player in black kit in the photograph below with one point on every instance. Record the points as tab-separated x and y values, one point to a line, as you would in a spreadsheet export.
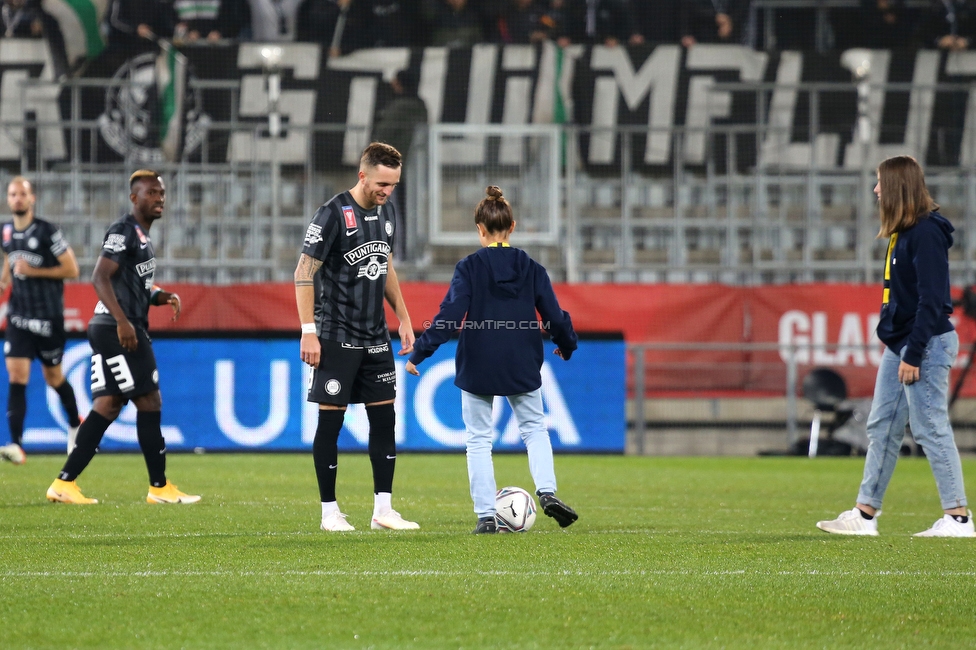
123	364
38	261
345	337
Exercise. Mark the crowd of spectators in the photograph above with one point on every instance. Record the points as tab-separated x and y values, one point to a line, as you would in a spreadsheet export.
943	24
347	25
20	19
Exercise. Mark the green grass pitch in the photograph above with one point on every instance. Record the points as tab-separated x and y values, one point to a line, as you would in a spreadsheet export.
702	552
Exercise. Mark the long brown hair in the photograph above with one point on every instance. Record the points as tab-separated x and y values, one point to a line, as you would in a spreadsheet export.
494	212
904	198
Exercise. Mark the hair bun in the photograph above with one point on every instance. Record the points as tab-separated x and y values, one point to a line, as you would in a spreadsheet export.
494	193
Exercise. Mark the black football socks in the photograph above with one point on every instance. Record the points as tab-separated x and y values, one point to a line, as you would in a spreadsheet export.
382	446
89	435
325	453
150	434
16	411
67	395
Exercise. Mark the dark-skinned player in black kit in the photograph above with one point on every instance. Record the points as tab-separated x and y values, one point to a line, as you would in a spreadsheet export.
123	364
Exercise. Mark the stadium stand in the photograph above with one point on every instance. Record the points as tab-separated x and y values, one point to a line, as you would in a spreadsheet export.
643	162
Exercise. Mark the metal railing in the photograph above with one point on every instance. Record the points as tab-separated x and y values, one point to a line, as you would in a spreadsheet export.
768	374
732	208
786	369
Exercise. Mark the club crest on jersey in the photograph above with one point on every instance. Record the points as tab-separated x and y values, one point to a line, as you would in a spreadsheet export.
371	251
373	269
349	215
389	227
7	230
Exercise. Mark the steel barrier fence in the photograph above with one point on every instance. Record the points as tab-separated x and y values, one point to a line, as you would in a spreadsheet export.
741	386
733	205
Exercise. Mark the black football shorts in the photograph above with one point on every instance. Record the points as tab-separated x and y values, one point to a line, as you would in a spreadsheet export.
349	374
115	371
45	343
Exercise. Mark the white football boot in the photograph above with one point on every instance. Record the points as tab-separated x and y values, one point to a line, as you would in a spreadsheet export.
14	453
336	522
392	520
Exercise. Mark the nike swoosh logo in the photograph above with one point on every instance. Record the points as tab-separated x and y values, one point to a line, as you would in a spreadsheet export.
142	246
58	494
390	457
333	466
351	232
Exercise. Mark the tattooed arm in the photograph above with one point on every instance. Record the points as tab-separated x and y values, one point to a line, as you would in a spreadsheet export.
311	349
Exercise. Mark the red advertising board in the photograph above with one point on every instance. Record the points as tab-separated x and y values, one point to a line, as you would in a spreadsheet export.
829	325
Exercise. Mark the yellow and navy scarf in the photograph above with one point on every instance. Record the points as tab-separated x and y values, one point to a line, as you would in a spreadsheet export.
887	276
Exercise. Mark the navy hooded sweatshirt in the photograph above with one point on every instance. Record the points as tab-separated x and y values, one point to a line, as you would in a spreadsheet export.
916	302
496	292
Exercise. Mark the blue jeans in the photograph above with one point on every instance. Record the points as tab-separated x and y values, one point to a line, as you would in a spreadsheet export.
476	412
925	406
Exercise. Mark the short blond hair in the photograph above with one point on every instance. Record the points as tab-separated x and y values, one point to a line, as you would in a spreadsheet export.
140	174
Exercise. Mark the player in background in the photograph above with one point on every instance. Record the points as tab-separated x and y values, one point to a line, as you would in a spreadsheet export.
345	337
491	290
38	261
123	364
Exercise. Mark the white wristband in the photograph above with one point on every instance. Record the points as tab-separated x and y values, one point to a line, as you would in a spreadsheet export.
308	328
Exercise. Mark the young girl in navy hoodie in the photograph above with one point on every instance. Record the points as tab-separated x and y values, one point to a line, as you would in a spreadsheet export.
496	292
920	347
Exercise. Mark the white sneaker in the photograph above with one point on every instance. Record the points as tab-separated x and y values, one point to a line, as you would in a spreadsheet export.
13	453
336	522
392	521
850	522
949	527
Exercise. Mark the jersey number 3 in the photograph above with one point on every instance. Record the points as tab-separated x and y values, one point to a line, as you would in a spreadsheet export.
120	371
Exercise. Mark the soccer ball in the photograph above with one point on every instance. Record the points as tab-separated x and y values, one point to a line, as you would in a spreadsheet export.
514	510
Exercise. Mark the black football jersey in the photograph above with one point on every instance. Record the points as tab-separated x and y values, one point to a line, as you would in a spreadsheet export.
128	245
354	246
40	244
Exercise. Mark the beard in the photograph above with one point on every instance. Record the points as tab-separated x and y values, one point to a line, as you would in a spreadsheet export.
21	213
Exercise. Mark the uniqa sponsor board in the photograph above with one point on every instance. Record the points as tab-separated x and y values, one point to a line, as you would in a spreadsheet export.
249	394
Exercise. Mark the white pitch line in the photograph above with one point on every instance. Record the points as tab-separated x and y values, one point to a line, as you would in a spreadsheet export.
813	534
421	573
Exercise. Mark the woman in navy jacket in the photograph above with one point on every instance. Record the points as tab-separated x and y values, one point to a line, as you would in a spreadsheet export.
920	347
493	299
